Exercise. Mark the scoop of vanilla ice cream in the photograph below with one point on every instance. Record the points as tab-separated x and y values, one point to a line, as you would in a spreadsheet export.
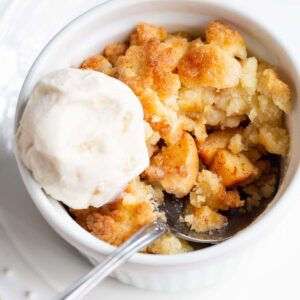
82	137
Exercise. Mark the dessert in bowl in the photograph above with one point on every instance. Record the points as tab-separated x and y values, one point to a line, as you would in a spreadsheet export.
212	114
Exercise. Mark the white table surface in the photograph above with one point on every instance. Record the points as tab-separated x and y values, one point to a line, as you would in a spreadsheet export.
35	263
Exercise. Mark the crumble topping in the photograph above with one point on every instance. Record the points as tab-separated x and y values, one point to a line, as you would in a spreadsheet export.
213	119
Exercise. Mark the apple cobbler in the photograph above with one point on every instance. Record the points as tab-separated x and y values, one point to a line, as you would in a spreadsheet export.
214	123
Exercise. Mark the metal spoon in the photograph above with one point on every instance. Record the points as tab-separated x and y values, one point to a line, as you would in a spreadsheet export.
173	208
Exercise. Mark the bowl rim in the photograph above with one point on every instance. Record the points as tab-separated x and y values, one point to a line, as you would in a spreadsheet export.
91	243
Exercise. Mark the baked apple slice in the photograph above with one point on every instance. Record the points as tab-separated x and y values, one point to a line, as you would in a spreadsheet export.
232	168
215	141
176	167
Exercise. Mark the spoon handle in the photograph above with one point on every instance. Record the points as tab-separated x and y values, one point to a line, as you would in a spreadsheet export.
141	239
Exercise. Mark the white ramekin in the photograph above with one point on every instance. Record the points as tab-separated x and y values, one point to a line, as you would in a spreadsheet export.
113	21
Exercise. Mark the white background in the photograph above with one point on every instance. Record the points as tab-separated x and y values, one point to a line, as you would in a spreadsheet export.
34	262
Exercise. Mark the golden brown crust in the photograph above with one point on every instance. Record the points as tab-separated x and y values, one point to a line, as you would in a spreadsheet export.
179	46
115	50
145	32
224	36
114	223
209	66
150	65
159	116
99	63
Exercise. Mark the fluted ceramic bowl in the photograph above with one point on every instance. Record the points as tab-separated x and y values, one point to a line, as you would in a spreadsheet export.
113	21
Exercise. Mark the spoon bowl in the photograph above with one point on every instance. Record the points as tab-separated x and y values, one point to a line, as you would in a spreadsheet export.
174	210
